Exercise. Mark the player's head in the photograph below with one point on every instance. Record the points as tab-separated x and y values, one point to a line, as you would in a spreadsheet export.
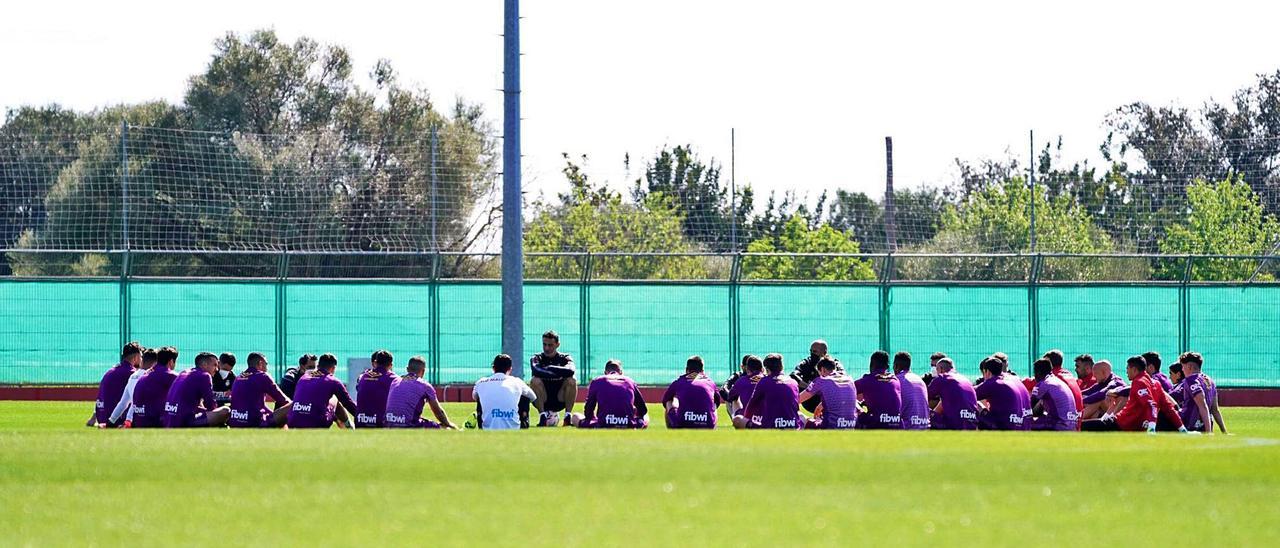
1192	362
167	356
550	342
933	358
132	353
1136	366
257	361
149	358
773	364
818	348
502	363
879	362
1084	365
207	362
227	361
383	359
326	363
1102	369
826	366
945	365
742	366
1175	372
753	364
307	362
1055	358
417	366
902	362
991	367
1042	368
613	366
1153	361
694	365
1004	360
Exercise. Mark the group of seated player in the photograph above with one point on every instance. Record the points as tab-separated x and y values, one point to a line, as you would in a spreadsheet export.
144	391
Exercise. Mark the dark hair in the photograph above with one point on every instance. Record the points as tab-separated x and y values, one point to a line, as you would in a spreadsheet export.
327	362
879	360
1055	358
694	364
754	363
1004	360
1084	358
1137	362
1175	367
130	349
228	358
827	363
1042	368
992	365
166	354
256	359
1153	359
417	364
945	364
382	358
149	355
551	334
901	362
303	359
205	357
1190	357
613	366
501	363
773	363
936	356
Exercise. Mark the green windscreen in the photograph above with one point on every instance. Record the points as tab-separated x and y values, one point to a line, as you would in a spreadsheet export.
58	332
1237	329
966	323
786	319
1110	323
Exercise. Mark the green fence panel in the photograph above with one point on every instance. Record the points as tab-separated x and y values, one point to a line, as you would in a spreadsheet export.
786	319
353	320
236	317
1110	323
471	326
967	323
1237	329
58	332
654	329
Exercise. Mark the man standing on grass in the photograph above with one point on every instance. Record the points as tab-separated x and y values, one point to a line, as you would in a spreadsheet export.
1095	397
613	401
321	399
915	395
1052	397
807	370
1008	403
691	401
122	415
111	387
775	403
409	395
957	402
372	389
839	410
190	402
502	401
249	398
1200	396
553	381
289	381
151	390
739	393
881	392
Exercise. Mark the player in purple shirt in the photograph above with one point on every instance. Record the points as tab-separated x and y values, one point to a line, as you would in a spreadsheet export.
1200	396
111	388
372	389
249	398
957	402
150	392
881	392
839	409
1053	399
1153	369
409	395
745	385
1095	397
915	395
613	401
692	400
317	397
775	402
190	402
1008	403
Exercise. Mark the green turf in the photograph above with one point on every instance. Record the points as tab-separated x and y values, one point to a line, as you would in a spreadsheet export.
64	484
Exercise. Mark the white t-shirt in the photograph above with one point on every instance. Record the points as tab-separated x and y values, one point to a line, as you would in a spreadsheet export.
499	396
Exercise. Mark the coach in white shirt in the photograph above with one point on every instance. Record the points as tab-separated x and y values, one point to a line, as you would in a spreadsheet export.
502	401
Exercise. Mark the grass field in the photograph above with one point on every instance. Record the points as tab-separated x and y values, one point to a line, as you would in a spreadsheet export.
63	484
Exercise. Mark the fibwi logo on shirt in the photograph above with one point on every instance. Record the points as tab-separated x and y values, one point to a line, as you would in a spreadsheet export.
1073	416
615	420
968	415
842	422
139	410
393	418
886	418
302	407
503	414
781	422
366	419
170	407
98	404
697	417
919	421
239	415
1015	418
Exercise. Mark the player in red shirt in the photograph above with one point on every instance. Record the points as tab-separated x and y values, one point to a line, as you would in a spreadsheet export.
1084	371
1148	407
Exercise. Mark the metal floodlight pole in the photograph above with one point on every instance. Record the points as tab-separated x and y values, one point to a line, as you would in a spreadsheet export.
512	224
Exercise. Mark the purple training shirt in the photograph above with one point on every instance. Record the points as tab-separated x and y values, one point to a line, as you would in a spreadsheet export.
149	396
839	401
775	403
311	407
882	394
697	401
110	389
959	402
190	395
915	401
613	401
406	401
249	400
371	396
1059	406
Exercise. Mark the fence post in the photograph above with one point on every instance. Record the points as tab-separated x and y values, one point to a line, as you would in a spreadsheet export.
735	313
1184	307
433	319
435	149
1033	311
125	299
886	277
282	312
1031	170
584	315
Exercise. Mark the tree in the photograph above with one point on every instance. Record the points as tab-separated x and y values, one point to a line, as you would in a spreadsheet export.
917	213
798	237
1225	218
709	211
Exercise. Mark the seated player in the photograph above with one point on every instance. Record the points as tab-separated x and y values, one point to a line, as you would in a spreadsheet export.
1084	371
224	378
111	387
881	392
1095	397
1200	395
502	401
249	398
553	381
807	370
775	403
1052	397
1008	405
915	395
957	402
1175	377
151	390
740	392
289	381
409	395
1055	358
691	401
1153	368
613	401
320	399
933	367
372	388
122	415
190	402
1146	407
731	404
839	408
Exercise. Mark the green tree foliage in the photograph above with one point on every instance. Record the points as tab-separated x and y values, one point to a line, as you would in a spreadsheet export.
918	213
708	211
1225	218
797	237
